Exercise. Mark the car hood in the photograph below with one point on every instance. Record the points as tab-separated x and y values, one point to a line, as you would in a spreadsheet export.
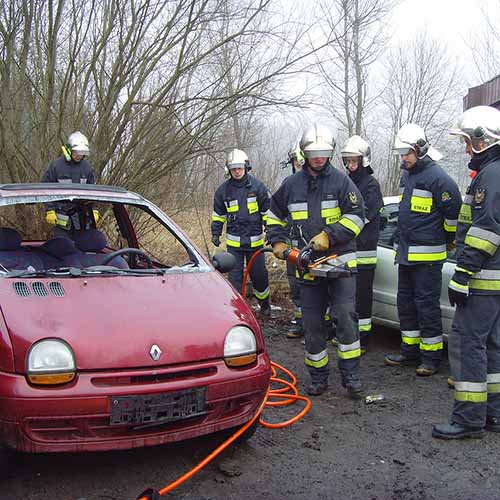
112	322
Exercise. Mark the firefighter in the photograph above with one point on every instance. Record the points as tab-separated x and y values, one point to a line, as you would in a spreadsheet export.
428	211
71	167
474	343
242	202
326	211
296	160
356	156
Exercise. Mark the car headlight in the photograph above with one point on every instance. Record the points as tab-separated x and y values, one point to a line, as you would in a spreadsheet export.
50	362
240	346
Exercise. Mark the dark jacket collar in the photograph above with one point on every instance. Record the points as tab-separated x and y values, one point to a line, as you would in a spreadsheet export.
479	161
421	165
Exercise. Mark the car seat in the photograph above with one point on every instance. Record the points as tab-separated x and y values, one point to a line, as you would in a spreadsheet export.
12	254
60	252
92	243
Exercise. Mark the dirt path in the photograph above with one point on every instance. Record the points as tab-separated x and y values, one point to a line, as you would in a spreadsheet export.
342	450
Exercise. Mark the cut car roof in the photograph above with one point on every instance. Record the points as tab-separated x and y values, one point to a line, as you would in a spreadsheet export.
42	192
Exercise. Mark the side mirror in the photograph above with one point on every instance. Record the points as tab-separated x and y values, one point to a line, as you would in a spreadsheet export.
223	262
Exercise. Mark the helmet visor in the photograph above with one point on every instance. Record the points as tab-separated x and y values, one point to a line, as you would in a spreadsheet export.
403	151
80	150
318	153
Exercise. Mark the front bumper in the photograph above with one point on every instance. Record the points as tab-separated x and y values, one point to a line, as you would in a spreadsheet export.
76	417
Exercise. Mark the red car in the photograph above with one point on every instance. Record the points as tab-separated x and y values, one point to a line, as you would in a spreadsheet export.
116	334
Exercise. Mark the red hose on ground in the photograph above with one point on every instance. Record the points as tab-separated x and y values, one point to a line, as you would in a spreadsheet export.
285	395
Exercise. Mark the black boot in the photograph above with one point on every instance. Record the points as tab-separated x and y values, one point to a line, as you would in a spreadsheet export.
265	308
316	388
296	330
353	386
456	431
399	360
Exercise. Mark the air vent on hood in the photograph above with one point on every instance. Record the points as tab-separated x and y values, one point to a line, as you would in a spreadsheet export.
39	289
56	288
21	289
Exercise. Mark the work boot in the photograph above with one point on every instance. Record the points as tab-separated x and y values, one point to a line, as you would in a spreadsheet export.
398	360
353	386
493	424
295	331
456	431
425	370
316	388
265	308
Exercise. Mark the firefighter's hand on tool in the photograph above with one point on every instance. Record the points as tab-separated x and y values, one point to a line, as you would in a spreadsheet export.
458	288
320	242
216	239
96	215
51	217
279	249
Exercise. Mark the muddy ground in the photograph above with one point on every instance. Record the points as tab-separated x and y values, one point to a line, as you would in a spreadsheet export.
342	449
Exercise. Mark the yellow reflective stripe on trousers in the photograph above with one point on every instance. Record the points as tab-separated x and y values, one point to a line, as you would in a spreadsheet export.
365	325
426	253
349	351
410	337
261	295
493	382
471	392
484	240
431	343
352	222
317	360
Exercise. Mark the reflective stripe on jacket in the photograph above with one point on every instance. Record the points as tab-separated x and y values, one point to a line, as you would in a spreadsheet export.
428	212
478	232
242	205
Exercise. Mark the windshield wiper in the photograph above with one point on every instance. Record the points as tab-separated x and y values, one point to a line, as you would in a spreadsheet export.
33	273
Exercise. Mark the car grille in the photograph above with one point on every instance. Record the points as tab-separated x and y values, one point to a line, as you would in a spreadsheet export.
153	379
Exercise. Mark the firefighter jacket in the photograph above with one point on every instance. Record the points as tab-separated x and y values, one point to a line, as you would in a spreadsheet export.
242	205
366	242
68	172
428	212
329	202
478	231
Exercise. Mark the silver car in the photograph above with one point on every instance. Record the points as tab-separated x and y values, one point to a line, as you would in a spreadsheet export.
385	286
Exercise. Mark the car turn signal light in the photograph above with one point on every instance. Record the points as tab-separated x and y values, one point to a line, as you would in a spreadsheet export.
51	378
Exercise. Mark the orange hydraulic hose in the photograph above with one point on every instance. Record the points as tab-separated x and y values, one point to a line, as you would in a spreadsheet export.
286	395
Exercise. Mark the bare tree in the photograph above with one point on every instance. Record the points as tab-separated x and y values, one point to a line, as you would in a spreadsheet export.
422	87
360	32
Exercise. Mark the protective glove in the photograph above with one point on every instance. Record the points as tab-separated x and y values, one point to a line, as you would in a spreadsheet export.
96	215
458	288
320	242
280	249
216	239
51	217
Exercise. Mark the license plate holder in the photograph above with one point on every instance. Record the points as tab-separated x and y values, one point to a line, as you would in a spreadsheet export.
157	408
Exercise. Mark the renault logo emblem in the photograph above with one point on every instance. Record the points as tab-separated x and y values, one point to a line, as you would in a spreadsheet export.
155	352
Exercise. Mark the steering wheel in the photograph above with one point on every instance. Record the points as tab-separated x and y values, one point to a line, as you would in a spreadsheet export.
110	256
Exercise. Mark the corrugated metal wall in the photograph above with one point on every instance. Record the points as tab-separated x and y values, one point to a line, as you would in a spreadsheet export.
486	94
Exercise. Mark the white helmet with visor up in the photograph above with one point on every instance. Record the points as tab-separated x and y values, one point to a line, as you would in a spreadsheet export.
317	142
412	137
356	146
78	144
237	158
480	127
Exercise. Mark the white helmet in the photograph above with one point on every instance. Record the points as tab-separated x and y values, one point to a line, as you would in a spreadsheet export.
78	143
237	158
317	142
481	126
356	146
412	137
